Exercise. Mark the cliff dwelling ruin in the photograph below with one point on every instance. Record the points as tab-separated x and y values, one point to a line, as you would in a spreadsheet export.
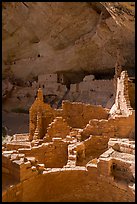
68	93
74	153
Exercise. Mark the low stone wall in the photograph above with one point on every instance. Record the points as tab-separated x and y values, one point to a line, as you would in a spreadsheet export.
8	167
70	184
111	174
98	127
123	126
119	127
53	154
96	145
16	145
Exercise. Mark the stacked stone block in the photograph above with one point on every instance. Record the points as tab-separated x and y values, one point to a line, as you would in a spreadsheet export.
58	128
45	116
122	103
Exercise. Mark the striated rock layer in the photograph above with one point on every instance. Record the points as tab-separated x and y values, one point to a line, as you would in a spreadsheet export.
49	37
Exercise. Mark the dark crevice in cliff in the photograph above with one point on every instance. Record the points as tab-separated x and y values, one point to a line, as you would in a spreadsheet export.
25	4
99	8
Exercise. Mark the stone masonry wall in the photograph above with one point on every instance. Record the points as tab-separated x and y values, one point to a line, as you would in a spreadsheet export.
46	112
95	145
49	85
92	91
78	114
122	102
14	164
8	167
119	127
53	154
91	148
58	128
70	185
89	90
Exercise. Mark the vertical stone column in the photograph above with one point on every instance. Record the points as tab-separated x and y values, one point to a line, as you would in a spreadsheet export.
40	94
37	133
118	69
122	103
126	88
126	94
32	123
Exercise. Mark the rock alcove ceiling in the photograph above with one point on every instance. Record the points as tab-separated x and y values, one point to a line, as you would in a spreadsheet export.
51	37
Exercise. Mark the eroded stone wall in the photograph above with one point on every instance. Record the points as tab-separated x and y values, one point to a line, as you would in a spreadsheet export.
78	114
92	91
89	90
46	116
119	127
122	103
53	154
49	84
58	128
71	185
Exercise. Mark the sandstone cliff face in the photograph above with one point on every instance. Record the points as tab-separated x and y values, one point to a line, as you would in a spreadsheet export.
47	37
